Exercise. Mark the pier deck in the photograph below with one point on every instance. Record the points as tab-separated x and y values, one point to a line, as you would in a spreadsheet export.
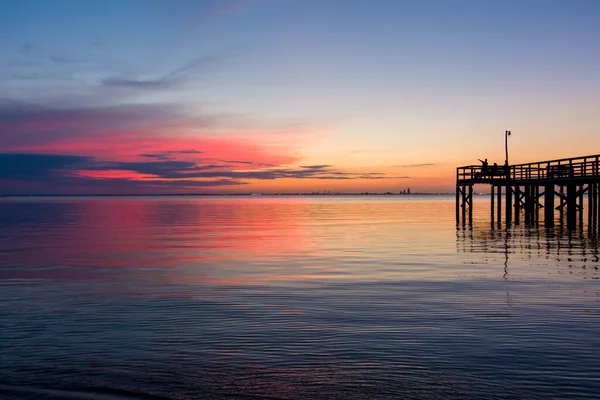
525	185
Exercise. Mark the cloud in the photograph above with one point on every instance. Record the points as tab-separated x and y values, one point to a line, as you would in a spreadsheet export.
38	167
191	151
41	76
138	134
198	14
157	83
25	48
169	80
156	183
56	173
90	132
370	151
63	59
414	165
24	123
191	170
170	155
318	167
170	169
237	162
66	168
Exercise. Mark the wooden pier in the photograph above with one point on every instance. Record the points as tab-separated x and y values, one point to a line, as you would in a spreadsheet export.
556	186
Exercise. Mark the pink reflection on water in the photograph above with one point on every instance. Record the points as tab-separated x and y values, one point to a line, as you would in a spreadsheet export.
171	240
226	242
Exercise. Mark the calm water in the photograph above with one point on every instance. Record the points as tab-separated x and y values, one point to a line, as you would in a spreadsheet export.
291	298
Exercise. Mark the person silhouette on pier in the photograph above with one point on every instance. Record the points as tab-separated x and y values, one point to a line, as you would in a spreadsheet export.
495	169
484	167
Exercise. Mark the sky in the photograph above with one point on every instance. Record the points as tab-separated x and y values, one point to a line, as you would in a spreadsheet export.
281	96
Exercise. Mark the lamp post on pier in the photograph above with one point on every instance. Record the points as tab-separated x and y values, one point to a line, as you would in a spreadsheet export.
509	189
506	135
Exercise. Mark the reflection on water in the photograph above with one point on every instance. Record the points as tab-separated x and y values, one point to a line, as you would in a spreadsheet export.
535	249
290	298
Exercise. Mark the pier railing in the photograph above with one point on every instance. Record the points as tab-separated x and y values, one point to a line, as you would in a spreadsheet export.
553	170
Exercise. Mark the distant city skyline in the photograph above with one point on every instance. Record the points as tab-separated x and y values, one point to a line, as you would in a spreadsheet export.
242	96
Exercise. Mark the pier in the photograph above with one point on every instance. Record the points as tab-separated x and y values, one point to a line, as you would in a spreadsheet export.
520	192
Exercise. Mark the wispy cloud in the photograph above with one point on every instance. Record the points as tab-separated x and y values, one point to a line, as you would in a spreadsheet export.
169	80
25	48
163	82
236	162
52	76
370	151
189	170
414	165
199	14
60	58
318	167
170	155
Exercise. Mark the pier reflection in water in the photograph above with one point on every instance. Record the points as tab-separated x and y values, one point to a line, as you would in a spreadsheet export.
572	252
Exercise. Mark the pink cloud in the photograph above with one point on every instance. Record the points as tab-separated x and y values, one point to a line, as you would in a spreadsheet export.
113	174
129	132
132	146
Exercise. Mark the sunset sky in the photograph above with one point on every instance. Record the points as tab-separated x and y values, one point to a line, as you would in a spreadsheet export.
239	96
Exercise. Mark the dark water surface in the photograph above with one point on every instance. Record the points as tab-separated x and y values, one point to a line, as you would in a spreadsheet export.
291	298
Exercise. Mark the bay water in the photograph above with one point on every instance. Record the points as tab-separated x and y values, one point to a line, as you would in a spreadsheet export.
291	297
